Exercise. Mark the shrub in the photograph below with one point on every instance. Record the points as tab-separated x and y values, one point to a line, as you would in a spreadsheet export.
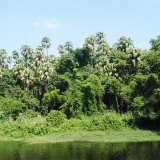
11	107
23	96
55	118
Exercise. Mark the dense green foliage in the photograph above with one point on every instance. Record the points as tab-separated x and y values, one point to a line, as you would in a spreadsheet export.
84	96
11	107
79	83
31	123
53	100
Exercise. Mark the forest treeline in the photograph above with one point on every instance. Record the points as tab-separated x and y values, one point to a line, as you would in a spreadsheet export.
82	81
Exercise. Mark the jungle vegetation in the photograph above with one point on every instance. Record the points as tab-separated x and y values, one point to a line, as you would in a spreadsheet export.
96	87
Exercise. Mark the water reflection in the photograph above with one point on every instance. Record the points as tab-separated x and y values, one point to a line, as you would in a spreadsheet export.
80	151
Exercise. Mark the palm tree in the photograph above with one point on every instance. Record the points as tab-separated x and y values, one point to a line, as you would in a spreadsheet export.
53	60
27	53
90	45
15	54
46	43
134	59
123	44
27	76
103	48
39	48
35	65
39	56
68	46
61	49
9	60
18	69
100	37
20	60
45	72
3	56
38	59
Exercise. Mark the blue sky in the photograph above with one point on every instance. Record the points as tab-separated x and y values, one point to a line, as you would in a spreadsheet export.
28	21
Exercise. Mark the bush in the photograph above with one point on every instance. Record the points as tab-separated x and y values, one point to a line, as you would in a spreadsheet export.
23	96
55	118
11	107
99	122
107	121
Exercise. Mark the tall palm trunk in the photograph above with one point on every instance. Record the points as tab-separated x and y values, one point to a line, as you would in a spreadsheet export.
47	52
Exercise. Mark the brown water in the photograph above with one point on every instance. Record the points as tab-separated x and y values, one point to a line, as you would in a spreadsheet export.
79	151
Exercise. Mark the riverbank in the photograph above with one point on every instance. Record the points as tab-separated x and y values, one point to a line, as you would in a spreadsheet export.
55	127
127	135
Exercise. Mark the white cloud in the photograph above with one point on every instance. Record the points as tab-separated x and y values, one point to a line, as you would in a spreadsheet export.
52	23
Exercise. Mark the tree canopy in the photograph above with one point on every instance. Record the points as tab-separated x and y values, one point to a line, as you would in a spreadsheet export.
87	80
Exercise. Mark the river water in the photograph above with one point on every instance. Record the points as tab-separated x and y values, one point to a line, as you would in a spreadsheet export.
11	150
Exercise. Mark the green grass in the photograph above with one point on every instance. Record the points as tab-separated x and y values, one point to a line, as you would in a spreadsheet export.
126	135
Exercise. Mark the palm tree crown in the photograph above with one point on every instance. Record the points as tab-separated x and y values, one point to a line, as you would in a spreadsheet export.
46	43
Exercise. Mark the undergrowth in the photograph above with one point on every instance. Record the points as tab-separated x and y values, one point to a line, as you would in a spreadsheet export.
31	123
